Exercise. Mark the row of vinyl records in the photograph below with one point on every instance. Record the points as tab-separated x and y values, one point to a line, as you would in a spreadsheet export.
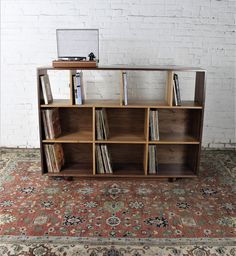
51	123
55	158
104	165
52	128
79	93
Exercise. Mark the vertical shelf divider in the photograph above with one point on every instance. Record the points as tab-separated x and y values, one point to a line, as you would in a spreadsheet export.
146	133
82	86
72	100
94	145
169	88
200	88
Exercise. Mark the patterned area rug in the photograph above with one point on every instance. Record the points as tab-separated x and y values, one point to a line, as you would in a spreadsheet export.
51	216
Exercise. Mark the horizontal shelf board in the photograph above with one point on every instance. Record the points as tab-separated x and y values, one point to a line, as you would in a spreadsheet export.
65	103
161	142
189	104
121	174
120	142
124	170
124	138
76	137
74	170
123	67
112	176
175	139
57	103
87	104
174	170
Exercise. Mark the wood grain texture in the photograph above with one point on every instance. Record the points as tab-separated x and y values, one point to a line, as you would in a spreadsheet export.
76	120
185	155
177	124
74	64
78	154
80	136
200	85
127	171
94	159
126	157
126	122
126	67
169	88
73	169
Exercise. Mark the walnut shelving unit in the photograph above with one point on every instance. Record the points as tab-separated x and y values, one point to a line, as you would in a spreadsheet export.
180	130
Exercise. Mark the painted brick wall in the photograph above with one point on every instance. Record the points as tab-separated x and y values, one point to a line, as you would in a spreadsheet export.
187	32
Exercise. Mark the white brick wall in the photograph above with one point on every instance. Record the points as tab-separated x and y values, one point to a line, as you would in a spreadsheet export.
186	32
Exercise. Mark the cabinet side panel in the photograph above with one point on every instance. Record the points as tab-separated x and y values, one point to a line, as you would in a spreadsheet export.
42	155
200	88
200	98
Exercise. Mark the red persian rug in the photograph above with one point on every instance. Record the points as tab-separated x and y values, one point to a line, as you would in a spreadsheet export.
32	205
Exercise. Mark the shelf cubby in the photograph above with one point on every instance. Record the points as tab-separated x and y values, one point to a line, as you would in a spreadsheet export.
126	159
76	125
146	88
179	126
177	160
126	125
78	160
96	87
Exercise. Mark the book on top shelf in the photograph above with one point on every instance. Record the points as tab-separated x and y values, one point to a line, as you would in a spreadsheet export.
79	94
78	85
177	98
125	88
175	102
46	89
51	123
74	90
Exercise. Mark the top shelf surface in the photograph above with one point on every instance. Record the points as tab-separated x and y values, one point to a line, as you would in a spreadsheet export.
123	67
